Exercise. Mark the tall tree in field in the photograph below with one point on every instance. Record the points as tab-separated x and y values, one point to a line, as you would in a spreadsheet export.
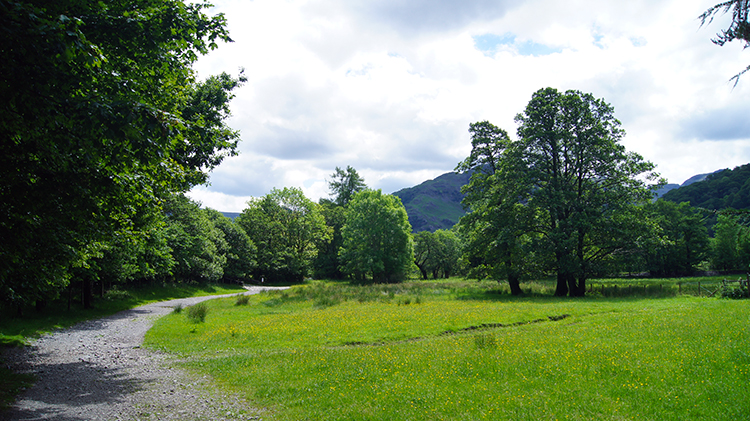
343	185
287	229
100	116
494	229
377	238
583	186
739	28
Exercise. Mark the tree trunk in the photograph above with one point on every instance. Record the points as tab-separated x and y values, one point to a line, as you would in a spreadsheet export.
87	293
562	285
580	288
572	285
513	282
423	271
515	285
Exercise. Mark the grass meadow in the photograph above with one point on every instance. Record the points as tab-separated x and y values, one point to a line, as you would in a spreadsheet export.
463	350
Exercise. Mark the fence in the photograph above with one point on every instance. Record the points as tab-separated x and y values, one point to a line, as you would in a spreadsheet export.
708	288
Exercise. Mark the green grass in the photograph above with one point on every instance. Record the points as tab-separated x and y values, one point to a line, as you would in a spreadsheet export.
363	353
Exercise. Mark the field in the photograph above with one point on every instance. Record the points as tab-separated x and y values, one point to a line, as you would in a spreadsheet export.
464	350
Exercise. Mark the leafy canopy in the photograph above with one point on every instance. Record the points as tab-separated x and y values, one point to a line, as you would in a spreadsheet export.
101	116
377	238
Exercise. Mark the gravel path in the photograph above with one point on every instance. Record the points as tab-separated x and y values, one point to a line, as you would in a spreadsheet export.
97	370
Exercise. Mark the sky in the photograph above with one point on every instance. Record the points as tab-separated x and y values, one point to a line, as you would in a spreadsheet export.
390	87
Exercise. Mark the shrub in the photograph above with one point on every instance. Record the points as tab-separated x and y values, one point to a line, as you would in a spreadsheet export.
197	313
735	293
242	300
177	309
115	294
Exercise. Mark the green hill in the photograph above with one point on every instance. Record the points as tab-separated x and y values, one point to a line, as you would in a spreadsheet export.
720	190
435	204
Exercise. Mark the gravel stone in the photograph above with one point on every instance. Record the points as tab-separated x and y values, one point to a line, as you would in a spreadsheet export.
97	370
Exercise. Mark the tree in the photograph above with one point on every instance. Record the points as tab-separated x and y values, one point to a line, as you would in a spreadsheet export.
494	229
579	183
287	229
448	253
739	29
198	247
680	242
344	184
100	116
426	247
377	238
327	263
240	250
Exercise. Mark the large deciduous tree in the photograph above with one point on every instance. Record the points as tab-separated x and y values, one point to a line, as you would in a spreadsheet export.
343	185
583	186
495	229
287	228
377	238
100	116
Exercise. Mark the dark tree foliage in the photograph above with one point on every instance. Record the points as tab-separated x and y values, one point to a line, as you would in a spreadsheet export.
739	29
327	264
720	190
581	185
680	242
198	247
100	116
496	225
238	249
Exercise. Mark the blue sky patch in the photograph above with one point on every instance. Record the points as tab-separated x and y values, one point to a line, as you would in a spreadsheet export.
489	44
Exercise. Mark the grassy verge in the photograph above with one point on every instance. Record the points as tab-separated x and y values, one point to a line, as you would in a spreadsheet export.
455	351
16	331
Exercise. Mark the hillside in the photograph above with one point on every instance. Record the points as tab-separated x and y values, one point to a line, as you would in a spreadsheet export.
722	189
435	204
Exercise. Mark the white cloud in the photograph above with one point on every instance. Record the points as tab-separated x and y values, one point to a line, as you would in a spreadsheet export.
390	87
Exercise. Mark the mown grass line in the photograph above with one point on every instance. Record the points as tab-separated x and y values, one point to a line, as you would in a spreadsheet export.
671	358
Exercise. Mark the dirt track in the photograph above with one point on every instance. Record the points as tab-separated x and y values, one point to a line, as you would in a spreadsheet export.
97	370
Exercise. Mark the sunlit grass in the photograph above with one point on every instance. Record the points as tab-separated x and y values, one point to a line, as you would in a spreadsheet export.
368	355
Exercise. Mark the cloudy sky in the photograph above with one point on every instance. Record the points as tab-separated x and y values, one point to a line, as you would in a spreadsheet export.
389	87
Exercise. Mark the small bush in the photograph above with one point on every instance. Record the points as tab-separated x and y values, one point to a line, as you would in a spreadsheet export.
177	309
242	300
734	293
197	313
115	294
